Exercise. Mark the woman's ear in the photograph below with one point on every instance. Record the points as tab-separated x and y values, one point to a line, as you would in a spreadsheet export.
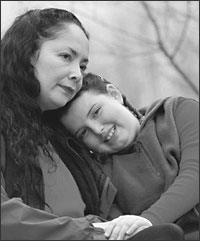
114	92
34	58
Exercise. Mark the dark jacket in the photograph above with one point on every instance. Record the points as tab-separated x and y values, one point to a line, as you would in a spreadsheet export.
63	218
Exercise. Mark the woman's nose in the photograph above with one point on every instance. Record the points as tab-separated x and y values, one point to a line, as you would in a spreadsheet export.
76	74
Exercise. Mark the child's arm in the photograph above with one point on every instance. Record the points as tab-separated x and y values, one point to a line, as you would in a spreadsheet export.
183	194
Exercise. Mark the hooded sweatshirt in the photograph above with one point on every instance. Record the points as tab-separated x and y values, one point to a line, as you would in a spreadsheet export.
157	176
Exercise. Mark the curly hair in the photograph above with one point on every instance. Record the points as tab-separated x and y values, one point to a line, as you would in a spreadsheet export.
22	124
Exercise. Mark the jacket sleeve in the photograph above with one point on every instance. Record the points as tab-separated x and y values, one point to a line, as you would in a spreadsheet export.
183	195
22	222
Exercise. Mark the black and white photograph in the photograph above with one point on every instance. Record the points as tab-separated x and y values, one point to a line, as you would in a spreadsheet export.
99	120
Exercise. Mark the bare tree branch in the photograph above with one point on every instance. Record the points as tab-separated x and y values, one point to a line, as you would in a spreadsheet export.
113	28
164	50
130	54
192	17
184	31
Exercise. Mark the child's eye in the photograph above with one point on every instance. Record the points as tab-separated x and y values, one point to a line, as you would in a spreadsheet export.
96	112
82	134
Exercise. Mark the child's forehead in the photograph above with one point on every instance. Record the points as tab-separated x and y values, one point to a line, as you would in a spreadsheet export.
88	98
95	95
94	92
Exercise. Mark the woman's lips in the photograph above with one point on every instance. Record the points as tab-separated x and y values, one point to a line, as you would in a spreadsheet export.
68	89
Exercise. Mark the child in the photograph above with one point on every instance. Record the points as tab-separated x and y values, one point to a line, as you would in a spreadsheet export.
151	155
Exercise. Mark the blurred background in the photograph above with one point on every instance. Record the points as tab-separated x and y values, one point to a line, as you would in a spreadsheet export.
149	49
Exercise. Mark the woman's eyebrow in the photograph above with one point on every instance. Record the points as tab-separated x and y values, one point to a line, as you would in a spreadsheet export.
74	52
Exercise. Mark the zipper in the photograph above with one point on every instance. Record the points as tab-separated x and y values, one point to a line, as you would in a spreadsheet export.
149	158
72	149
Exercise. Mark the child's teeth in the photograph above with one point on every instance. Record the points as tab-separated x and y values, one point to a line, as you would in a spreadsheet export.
110	134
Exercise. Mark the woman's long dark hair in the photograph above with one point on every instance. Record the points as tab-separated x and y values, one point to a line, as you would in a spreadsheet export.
21	117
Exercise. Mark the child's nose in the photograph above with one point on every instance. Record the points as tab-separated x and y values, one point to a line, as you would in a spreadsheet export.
98	129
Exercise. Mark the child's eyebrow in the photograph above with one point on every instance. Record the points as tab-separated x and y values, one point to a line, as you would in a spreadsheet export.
76	133
90	110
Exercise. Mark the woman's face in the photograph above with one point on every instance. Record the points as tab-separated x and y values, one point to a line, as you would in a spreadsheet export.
101	122
59	66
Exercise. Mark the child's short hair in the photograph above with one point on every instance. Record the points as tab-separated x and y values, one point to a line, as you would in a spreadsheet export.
98	84
94	83
91	82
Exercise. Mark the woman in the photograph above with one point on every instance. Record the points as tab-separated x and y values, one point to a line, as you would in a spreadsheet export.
43	57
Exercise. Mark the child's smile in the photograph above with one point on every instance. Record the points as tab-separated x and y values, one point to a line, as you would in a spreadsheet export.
101	122
110	134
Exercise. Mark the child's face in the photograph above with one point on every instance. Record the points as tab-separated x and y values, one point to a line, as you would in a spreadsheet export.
101	122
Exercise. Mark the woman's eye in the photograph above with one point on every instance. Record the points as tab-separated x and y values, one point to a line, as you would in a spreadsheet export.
66	56
83	67
96	112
